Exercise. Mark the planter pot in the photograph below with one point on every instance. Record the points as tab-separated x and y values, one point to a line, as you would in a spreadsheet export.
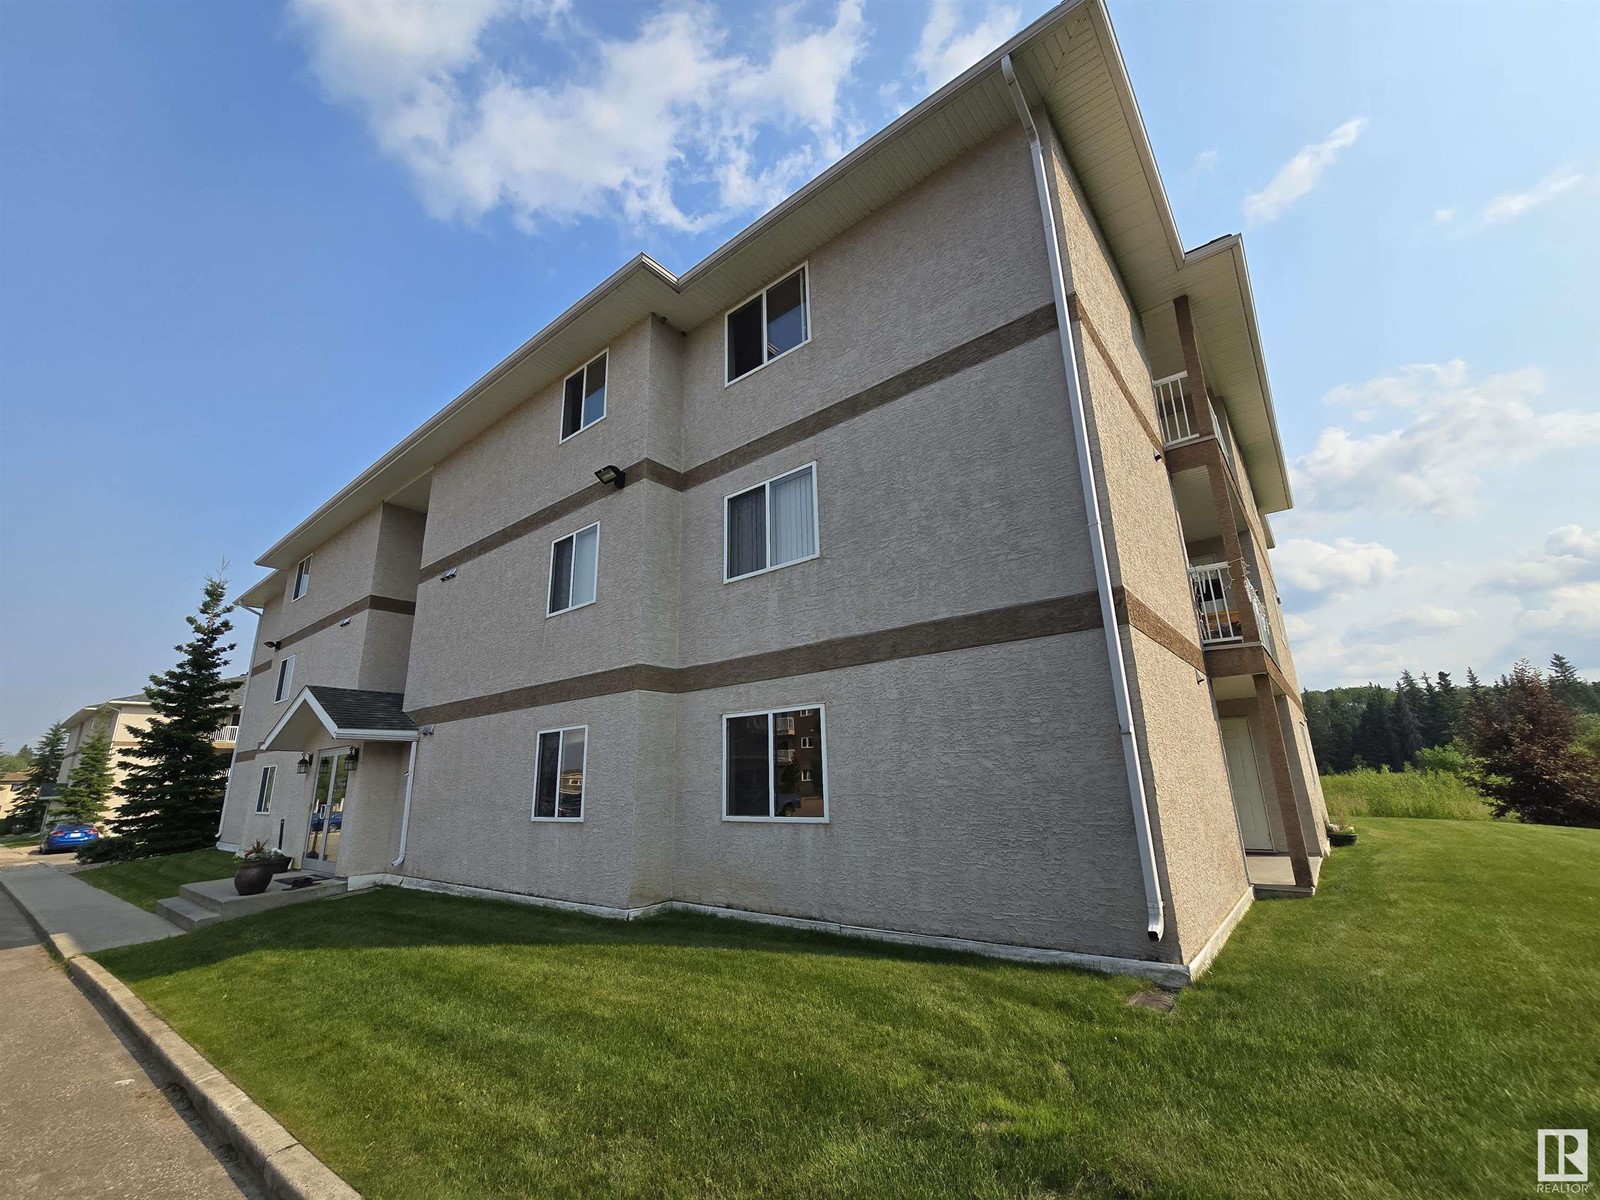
1342	838
280	863
252	878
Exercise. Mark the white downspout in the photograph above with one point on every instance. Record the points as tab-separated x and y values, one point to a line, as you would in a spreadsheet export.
405	811
1154	908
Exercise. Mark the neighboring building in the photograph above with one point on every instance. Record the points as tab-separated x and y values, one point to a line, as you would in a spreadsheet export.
830	644
10	784
120	718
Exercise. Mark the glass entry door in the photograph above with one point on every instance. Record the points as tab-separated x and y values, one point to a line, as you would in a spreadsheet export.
327	812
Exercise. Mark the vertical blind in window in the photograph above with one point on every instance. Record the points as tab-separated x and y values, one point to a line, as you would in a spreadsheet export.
574	564
772	524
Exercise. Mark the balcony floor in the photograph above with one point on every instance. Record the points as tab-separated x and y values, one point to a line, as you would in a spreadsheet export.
1272	875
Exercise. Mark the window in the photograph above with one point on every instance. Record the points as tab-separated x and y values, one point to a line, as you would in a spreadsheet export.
574	565
269	776
771	525
585	400
558	779
285	677
302	578
774	766
768	325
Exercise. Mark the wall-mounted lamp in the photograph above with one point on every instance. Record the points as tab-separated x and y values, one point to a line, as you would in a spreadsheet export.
353	759
613	475
450	574
303	767
1158	456
272	645
427	731
345	622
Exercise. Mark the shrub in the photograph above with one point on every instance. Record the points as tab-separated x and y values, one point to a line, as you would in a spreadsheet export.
1523	739
1451	759
109	849
1439	795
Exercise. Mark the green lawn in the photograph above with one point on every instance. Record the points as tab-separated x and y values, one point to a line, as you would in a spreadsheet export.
146	880
21	839
1403	1034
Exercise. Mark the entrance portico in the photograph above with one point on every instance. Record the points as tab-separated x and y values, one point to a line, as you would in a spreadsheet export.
343	817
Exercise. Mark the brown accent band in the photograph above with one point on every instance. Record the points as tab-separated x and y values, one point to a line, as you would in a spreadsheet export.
1042	618
377	603
1077	314
1251	659
261	668
1150	623
980	349
244	756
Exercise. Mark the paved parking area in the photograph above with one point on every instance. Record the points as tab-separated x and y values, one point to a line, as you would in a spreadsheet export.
81	1117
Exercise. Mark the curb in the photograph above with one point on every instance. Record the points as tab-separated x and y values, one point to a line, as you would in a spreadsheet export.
288	1170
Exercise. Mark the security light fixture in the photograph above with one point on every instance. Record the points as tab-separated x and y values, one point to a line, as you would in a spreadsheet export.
303	767
450	574
344	622
272	645
353	759
613	475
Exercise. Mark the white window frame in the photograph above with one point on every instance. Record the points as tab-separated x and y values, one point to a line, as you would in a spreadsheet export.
583	795
551	573
302	579
766	484
772	766
805	304
285	679
269	781
562	437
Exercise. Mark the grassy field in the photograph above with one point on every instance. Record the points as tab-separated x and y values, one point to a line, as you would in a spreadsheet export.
1403	1034
146	880
1436	795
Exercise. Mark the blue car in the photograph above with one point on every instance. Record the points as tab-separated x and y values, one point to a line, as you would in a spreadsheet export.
69	835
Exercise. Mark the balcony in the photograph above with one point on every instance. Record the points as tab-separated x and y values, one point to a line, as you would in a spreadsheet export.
1218	613
226	736
1175	412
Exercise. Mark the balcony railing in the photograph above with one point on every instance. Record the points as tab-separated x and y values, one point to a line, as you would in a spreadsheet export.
1263	622
1212	586
228	733
1175	410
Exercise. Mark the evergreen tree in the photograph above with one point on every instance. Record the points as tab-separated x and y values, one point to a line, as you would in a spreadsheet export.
1449	707
88	789
175	786
1373	743
1570	688
1407	727
1527	762
33	797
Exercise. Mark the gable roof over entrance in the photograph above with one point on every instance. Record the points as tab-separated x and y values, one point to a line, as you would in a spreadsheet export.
346	714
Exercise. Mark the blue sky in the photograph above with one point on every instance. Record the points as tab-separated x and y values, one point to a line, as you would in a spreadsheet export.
244	248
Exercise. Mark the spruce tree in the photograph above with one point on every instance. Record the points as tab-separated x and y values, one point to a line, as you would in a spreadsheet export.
1570	688
1449	707
1407	728
1373	742
88	789
33	796
174	788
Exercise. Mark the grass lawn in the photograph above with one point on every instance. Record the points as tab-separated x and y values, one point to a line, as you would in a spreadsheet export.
1403	1034
146	880
1436	794
21	839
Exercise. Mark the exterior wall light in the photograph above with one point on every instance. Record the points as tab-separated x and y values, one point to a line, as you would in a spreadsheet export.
613	475
272	645
353	759
450	574
303	767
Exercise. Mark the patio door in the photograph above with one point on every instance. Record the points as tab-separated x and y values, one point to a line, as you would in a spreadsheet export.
1249	801
327	812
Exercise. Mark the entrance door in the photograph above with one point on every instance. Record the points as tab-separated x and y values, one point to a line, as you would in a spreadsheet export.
327	812
1248	798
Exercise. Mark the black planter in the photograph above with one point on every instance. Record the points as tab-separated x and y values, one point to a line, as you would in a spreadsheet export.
280	863
252	878
1345	837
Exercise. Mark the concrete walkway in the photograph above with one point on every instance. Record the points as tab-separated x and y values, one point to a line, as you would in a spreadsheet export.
81	1116
77	918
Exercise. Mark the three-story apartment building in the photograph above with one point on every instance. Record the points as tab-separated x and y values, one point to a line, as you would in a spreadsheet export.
786	587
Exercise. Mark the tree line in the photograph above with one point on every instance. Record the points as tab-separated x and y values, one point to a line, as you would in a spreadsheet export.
1529	741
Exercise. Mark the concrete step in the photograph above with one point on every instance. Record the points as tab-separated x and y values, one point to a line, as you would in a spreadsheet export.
184	915
219	897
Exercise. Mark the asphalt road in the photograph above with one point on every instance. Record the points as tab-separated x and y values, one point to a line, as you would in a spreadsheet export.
79	1115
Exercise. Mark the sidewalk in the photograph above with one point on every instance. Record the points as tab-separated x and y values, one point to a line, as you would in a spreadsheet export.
74	917
81	1116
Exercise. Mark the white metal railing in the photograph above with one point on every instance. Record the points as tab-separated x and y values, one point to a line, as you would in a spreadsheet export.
1263	623
1212	586
1174	409
228	733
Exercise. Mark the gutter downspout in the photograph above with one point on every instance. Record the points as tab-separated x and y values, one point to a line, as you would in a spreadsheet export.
1154	907
405	811
233	759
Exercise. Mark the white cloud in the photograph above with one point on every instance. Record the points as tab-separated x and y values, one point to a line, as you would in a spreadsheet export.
660	127
1572	610
1423	619
1326	570
946	48
1300	174
1435	462
1443	216
1513	204
1206	160
1571	553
